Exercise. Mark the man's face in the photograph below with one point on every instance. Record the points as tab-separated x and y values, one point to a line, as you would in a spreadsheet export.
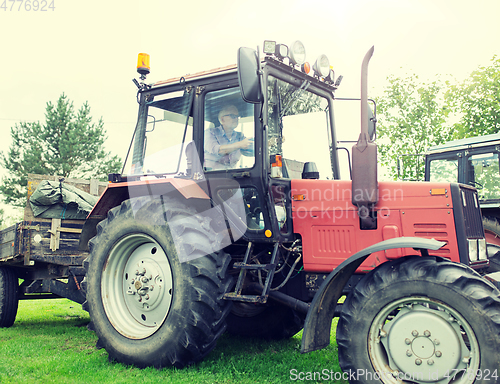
229	118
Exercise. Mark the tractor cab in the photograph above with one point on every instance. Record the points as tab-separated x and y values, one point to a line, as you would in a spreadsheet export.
205	128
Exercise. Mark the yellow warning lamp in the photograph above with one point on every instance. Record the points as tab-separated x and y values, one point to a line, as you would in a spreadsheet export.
143	64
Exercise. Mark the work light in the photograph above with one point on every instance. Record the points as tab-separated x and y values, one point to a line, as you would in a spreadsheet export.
297	53
322	66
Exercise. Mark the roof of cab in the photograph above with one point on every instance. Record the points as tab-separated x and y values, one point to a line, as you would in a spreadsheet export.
466	143
198	75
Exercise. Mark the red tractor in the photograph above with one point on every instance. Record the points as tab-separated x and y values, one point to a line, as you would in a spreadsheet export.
218	223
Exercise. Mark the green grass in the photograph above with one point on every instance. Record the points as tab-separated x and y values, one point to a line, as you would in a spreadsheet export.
49	343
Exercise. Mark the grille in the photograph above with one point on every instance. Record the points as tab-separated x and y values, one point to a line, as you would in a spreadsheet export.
472	214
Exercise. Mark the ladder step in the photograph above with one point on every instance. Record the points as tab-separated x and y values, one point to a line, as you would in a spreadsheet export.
244	267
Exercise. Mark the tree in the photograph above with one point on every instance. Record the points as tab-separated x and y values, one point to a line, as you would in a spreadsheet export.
476	102
411	117
69	144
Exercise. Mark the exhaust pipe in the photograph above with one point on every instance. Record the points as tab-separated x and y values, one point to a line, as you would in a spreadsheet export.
364	160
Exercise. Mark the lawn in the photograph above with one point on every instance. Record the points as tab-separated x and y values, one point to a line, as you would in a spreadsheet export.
50	343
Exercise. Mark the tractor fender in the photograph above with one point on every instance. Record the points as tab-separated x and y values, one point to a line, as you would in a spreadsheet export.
116	193
316	334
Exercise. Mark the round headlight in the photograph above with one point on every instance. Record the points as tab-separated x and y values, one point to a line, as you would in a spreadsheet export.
297	53
322	66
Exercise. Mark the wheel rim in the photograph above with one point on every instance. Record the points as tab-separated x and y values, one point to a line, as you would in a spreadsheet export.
416	340
137	286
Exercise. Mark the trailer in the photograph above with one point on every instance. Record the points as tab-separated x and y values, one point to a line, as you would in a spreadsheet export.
43	252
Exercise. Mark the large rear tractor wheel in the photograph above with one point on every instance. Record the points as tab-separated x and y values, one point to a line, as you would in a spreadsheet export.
421	320
269	322
9	299
492	235
154	285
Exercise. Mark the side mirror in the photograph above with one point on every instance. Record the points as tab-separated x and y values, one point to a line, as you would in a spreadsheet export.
248	67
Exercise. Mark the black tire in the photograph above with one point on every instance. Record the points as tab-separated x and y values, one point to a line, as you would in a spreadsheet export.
185	282
9	296
418	319
492	233
269	322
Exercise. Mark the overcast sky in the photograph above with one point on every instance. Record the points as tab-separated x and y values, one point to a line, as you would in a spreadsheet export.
88	49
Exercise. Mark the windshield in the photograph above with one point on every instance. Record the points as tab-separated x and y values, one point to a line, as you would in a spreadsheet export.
484	175
299	128
163	131
444	170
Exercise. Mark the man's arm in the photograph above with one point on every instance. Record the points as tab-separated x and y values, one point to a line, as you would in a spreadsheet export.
228	148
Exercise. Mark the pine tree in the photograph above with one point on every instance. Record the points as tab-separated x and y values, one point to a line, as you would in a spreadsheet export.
69	144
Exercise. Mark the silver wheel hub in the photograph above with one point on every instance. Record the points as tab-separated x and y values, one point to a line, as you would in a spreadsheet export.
137	286
423	342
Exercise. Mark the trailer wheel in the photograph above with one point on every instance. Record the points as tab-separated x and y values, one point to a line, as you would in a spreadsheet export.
9	299
154	289
421	320
269	322
492	235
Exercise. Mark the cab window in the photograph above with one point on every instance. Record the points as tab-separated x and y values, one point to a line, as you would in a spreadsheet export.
299	128
229	131
444	170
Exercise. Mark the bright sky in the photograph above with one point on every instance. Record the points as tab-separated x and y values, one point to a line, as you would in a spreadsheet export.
88	49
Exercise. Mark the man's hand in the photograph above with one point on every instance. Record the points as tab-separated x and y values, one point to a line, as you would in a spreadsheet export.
245	143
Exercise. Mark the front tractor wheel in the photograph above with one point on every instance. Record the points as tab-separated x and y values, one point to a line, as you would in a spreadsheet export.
421	320
154	285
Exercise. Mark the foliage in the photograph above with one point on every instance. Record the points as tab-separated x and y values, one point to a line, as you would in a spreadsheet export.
69	144
411	117
476	101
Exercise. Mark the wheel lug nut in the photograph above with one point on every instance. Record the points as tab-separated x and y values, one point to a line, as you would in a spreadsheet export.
407	341
418	361
436	341
414	333
408	353
383	333
439	354
466	360
427	334
430	362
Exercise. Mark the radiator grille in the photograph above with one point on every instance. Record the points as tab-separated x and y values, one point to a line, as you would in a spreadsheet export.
472	214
